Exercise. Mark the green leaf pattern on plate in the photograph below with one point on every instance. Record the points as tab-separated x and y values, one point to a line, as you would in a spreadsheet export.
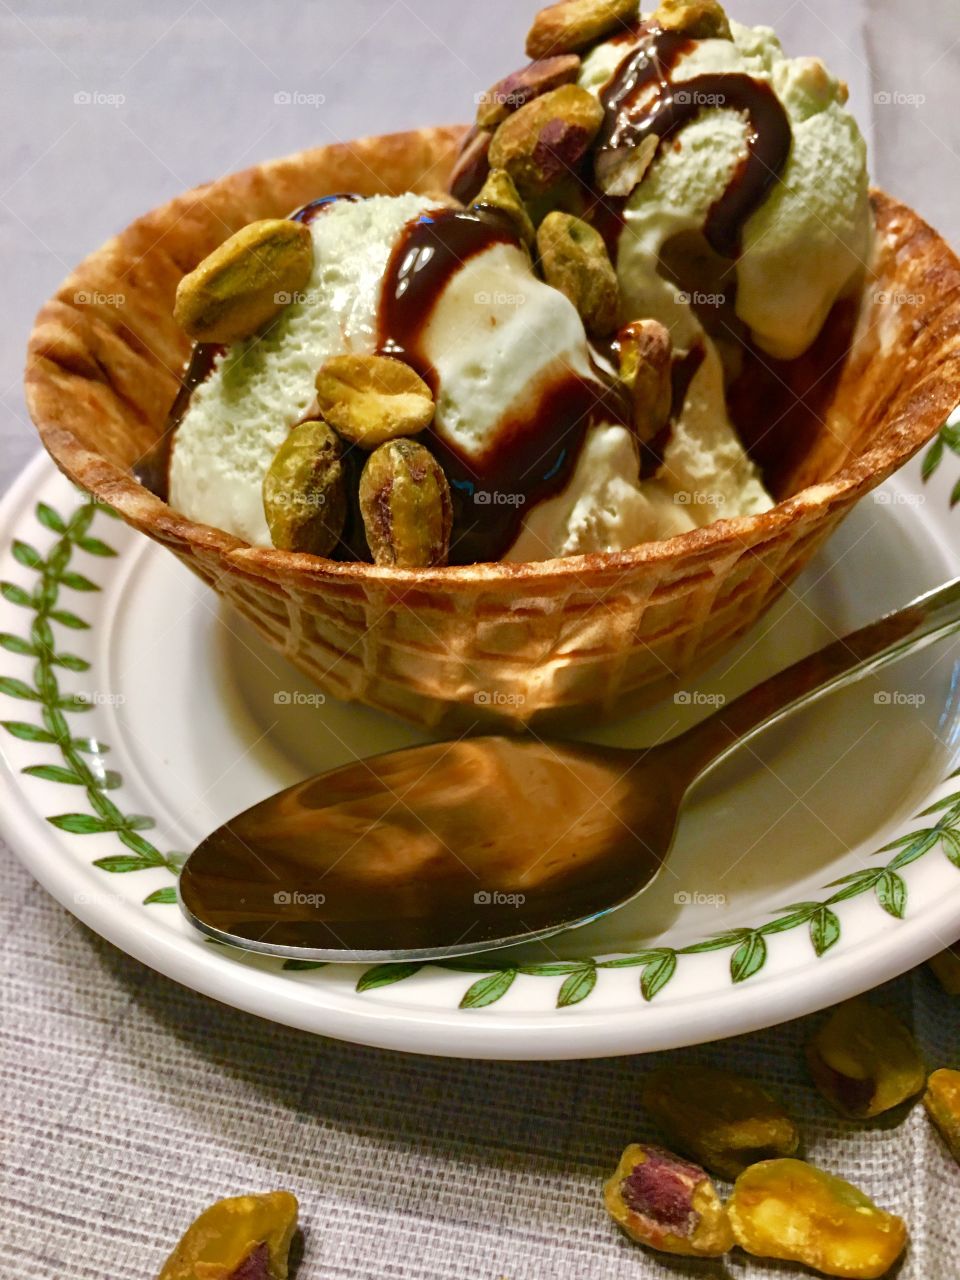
748	947
948	439
54	576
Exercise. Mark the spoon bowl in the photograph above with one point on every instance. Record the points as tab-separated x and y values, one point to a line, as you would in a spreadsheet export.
441	850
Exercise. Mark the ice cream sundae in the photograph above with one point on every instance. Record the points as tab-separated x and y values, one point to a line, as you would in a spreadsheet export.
547	360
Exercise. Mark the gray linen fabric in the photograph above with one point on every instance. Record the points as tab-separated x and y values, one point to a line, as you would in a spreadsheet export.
129	1103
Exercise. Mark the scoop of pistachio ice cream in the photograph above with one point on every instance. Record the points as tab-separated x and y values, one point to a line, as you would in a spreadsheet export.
259	388
807	242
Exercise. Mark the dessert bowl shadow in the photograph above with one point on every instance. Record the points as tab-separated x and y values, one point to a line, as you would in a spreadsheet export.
514	643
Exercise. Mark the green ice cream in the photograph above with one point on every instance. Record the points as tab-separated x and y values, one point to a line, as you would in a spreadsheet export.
809	240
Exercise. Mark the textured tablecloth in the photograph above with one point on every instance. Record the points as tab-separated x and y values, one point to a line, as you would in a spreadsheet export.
128	1103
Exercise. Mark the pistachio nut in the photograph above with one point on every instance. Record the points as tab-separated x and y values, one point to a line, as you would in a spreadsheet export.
646	363
573	24
667	1203
521	87
542	143
471	165
574	259
406	506
790	1210
698	19
305	491
619	171
499	192
372	399
864	1060
946	969
244	1236
245	282
942	1103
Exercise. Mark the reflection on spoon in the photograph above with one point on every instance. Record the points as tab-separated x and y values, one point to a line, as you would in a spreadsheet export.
460	847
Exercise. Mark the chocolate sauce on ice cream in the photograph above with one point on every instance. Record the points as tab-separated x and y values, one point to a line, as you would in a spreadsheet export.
309	212
642	100
535	449
426	257
153	469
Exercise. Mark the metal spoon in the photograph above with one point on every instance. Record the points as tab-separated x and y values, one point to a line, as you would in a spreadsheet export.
467	846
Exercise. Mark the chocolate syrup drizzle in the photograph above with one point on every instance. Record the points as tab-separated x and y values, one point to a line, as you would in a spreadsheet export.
153	469
308	213
428	254
536	450
641	101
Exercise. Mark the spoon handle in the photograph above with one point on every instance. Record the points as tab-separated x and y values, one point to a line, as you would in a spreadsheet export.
892	637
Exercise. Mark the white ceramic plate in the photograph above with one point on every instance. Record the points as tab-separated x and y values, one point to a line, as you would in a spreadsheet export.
822	865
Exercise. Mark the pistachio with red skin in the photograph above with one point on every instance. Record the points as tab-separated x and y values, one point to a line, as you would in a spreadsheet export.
667	1203
572	25
864	1060
520	87
544	142
471	166
242	1238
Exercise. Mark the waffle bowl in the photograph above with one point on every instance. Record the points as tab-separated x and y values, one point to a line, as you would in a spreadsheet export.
515	642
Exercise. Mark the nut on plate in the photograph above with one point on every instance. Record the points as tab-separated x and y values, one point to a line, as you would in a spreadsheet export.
646	369
245	282
500	193
521	87
698	19
864	1060
574	259
946	969
406	506
942	1101
305	491
243	1238
541	144
721	1120
667	1204
574	24
790	1210
372	399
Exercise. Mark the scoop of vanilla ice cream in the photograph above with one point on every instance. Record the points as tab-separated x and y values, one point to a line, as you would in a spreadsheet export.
810	238
706	476
603	508
496	333
499	336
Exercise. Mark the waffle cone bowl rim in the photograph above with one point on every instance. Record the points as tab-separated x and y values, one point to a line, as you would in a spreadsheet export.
901	438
